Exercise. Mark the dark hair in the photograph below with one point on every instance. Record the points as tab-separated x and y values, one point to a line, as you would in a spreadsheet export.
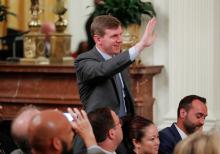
65	149
83	46
23	144
186	102
133	128
102	121
103	22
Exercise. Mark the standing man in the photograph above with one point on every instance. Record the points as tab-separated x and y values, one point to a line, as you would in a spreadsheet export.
100	72
191	113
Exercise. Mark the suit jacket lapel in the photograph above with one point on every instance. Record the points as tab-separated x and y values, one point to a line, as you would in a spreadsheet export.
176	133
99	57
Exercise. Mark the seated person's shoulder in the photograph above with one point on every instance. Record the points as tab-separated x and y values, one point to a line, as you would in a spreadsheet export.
166	130
17	151
169	133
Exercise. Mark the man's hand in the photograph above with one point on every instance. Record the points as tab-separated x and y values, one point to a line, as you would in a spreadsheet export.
148	37
82	126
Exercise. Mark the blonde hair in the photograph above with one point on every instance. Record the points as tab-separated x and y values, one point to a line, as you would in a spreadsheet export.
199	143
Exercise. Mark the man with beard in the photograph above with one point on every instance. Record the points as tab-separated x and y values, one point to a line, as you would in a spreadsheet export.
191	115
51	133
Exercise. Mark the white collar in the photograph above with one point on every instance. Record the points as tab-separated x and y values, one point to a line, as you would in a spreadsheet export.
182	133
104	55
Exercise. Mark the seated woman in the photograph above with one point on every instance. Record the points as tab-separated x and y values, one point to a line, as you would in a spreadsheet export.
140	135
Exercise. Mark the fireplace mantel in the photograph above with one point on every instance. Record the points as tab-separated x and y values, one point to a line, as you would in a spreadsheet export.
54	86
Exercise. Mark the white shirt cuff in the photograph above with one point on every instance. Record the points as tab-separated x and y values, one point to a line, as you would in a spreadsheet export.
133	53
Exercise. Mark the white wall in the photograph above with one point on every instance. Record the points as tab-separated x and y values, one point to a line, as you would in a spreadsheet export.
191	56
216	77
187	45
77	16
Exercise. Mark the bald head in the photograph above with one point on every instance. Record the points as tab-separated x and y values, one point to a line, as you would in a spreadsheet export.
19	127
49	132
47	28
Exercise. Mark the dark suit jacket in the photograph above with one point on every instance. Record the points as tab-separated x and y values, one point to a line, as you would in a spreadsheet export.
96	83
169	137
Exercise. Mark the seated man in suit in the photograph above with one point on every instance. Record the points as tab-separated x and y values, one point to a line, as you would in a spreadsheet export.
51	132
191	113
107	129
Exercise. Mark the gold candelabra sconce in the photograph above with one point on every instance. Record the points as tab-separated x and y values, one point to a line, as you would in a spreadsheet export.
43	46
34	45
61	24
34	41
60	10
60	42
34	24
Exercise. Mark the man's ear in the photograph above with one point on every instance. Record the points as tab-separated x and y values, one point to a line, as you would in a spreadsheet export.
111	134
96	38
57	145
183	113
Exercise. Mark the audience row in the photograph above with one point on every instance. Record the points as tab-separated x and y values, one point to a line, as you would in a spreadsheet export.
103	132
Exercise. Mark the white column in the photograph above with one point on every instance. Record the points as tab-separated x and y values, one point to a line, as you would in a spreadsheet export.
78	12
216	77
192	57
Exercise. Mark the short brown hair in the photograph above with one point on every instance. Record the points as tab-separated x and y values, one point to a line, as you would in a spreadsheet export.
102	121
186	102
103	22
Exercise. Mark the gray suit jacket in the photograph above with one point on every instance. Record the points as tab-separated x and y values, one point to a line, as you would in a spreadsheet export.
95	151
17	151
96	83
90	151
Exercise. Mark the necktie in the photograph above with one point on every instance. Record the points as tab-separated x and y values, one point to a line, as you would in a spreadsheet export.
122	109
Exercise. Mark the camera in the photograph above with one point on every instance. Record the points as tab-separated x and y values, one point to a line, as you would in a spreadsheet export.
68	116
